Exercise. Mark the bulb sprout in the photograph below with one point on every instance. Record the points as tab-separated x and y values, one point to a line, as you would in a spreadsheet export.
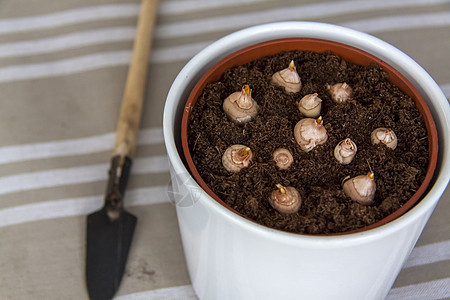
247	89
281	188
292	65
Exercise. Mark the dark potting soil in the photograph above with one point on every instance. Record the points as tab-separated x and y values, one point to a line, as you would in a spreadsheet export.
317	175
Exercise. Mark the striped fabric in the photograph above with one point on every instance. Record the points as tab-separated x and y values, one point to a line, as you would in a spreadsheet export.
62	72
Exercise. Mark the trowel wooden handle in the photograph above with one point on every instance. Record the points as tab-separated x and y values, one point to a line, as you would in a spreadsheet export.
130	112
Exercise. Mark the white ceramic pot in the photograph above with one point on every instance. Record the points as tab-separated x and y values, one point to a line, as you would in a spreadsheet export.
230	257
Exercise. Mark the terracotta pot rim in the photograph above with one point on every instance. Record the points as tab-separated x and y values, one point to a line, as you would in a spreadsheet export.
263	49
